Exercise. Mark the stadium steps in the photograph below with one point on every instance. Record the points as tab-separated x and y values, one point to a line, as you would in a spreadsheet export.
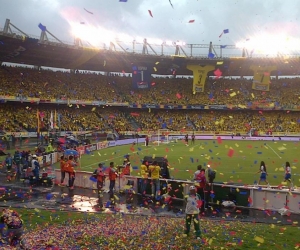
192	123
133	122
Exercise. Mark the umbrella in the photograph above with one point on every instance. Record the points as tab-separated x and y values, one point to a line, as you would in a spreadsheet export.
70	152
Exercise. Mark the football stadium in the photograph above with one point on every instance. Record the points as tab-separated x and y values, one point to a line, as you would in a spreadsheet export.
114	141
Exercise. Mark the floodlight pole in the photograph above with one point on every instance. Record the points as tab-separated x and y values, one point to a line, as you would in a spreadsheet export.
117	42
133	46
191	50
44	37
212	49
7	29
78	42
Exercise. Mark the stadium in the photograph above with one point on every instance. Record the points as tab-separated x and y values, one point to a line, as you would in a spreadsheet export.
227	113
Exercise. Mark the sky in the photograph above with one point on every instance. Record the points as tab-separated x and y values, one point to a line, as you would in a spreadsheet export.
260	25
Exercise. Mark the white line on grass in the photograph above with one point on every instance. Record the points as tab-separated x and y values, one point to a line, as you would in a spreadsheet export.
274	151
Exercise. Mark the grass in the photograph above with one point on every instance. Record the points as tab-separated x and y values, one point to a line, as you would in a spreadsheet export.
241	167
118	231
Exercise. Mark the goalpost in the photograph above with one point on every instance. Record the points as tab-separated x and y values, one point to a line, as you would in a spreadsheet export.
160	136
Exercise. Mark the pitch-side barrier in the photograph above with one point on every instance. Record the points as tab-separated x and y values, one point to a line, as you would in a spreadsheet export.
258	197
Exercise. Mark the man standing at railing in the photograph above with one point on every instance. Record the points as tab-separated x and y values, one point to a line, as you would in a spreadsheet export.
112	174
154	170
99	174
144	177
70	169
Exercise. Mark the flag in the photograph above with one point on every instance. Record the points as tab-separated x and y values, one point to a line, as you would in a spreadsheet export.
226	31
42	27
38	120
211	55
51	120
223	46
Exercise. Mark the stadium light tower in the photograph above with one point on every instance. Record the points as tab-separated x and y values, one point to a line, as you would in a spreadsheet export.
211	49
7	28
145	48
178	48
44	37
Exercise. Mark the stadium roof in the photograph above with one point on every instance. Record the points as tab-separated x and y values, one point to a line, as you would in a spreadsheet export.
29	51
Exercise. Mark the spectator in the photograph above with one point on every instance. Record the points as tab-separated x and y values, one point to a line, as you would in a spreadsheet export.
17	161
35	169
70	169
112	174
144	177
154	170
263	173
192	212
288	175
99	175
62	169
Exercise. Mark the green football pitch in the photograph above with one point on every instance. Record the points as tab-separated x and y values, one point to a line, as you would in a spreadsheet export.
234	161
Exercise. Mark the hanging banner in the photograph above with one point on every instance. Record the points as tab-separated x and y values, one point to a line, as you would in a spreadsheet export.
261	77
200	76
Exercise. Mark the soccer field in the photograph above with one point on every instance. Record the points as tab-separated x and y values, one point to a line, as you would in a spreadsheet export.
234	161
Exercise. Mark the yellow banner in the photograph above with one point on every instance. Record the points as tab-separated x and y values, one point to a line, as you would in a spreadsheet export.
200	75
261	77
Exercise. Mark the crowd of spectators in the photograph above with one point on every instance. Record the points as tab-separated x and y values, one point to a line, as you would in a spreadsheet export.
77	118
46	84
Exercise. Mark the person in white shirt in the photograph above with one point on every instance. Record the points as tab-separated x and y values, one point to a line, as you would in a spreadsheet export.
193	203
263	173
35	168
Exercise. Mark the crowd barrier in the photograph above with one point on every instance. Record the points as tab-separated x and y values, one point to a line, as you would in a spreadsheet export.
244	196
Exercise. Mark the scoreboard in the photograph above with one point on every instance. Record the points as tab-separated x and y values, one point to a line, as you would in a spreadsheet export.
141	77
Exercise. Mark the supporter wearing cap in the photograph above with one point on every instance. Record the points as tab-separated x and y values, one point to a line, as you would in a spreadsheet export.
193	202
35	168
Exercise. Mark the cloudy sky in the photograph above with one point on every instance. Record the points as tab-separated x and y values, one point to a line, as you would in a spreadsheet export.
95	20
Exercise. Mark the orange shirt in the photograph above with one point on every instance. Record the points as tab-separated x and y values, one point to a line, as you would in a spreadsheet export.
69	166
112	174
62	165
100	175
126	170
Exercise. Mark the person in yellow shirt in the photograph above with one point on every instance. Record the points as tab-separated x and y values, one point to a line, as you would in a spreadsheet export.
154	170
144	177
